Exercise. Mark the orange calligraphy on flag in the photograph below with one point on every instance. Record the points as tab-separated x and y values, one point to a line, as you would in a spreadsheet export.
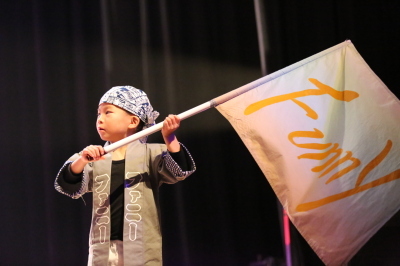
334	151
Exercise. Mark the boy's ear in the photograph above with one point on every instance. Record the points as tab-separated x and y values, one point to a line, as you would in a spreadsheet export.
134	121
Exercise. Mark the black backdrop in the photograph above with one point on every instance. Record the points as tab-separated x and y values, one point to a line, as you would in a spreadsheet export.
59	57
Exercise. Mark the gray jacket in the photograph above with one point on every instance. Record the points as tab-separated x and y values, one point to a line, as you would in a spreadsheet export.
147	166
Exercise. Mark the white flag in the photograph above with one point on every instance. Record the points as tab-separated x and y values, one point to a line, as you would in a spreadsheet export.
326	134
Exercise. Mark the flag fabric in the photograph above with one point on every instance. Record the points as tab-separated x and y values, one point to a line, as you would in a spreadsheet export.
325	132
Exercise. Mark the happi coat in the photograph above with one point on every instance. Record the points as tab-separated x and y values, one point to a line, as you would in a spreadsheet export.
147	166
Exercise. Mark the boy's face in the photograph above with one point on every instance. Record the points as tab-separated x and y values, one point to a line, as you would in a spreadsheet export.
114	123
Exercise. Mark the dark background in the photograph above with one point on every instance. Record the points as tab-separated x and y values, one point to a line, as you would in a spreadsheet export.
59	57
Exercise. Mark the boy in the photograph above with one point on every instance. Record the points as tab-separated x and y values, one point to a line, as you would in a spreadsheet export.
125	226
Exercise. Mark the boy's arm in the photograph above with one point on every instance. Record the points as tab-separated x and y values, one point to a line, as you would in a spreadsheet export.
71	180
174	168
67	181
70	184
178	160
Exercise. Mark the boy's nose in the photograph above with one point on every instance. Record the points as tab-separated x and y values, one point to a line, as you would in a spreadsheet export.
99	119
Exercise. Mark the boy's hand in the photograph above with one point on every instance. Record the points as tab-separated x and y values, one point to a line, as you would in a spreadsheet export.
92	153
171	123
89	154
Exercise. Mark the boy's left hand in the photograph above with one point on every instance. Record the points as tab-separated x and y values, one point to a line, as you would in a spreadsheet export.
171	123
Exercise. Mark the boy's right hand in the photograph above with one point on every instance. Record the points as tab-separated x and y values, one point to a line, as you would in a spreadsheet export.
92	153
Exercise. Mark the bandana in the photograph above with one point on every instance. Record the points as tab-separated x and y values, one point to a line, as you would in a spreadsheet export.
132	100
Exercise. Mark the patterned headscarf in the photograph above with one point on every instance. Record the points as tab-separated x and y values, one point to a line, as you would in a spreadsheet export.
132	100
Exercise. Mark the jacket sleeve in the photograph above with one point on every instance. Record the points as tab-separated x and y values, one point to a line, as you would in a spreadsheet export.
72	189
171	171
